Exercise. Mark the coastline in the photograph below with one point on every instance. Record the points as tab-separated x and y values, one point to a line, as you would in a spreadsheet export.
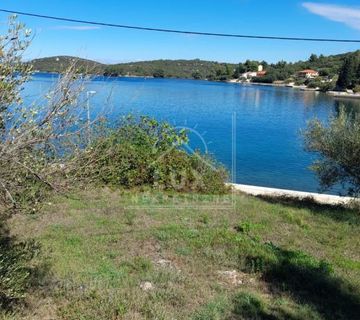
274	192
333	94
343	95
282	85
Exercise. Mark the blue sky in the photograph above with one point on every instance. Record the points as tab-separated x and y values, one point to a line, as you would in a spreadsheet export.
335	19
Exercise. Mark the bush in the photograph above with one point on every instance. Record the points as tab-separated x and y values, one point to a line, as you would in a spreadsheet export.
146	152
357	89
314	84
328	86
338	148
299	82
159	73
196	75
223	77
265	79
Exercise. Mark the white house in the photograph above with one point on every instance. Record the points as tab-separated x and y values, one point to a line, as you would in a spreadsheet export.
251	74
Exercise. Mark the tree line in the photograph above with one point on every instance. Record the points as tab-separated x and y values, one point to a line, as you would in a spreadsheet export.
336	71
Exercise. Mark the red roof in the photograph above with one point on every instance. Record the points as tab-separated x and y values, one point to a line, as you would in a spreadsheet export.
308	71
261	73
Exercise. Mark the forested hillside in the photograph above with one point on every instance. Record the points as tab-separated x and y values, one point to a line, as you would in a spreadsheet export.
195	69
328	67
61	63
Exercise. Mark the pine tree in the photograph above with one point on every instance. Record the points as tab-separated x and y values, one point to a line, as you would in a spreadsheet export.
313	58
348	76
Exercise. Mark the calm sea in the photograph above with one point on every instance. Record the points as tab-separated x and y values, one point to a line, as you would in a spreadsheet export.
255	131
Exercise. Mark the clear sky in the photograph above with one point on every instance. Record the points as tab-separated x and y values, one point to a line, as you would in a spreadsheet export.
308	18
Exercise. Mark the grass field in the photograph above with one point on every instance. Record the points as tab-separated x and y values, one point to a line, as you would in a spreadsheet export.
106	259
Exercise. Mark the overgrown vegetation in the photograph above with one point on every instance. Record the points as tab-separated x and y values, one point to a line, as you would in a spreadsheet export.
145	152
48	147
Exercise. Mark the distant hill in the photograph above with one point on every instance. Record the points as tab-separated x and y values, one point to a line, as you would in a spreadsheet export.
328	66
61	63
195	69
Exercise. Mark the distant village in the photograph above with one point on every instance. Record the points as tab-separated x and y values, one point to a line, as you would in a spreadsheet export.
261	72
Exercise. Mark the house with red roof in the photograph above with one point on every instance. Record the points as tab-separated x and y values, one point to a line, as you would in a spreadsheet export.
308	74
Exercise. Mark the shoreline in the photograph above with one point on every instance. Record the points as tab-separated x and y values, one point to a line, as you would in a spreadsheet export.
301	195
343	95
281	85
333	94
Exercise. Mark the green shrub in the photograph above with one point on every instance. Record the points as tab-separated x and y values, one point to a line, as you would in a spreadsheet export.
159	73
196	75
314	84
265	79
299	82
328	86
357	89
15	267
146	152
338	148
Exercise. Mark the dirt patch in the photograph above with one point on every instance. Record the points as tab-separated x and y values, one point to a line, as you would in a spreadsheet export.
235	278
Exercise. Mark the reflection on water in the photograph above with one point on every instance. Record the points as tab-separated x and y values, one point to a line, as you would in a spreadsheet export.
268	121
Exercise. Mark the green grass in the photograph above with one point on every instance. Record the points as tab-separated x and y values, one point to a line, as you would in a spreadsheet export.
290	260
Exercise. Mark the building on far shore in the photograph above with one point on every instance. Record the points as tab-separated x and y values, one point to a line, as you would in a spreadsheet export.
308	74
261	73
249	75
252	74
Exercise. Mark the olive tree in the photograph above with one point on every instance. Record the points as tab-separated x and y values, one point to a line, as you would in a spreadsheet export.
34	136
13	72
37	140
338	147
